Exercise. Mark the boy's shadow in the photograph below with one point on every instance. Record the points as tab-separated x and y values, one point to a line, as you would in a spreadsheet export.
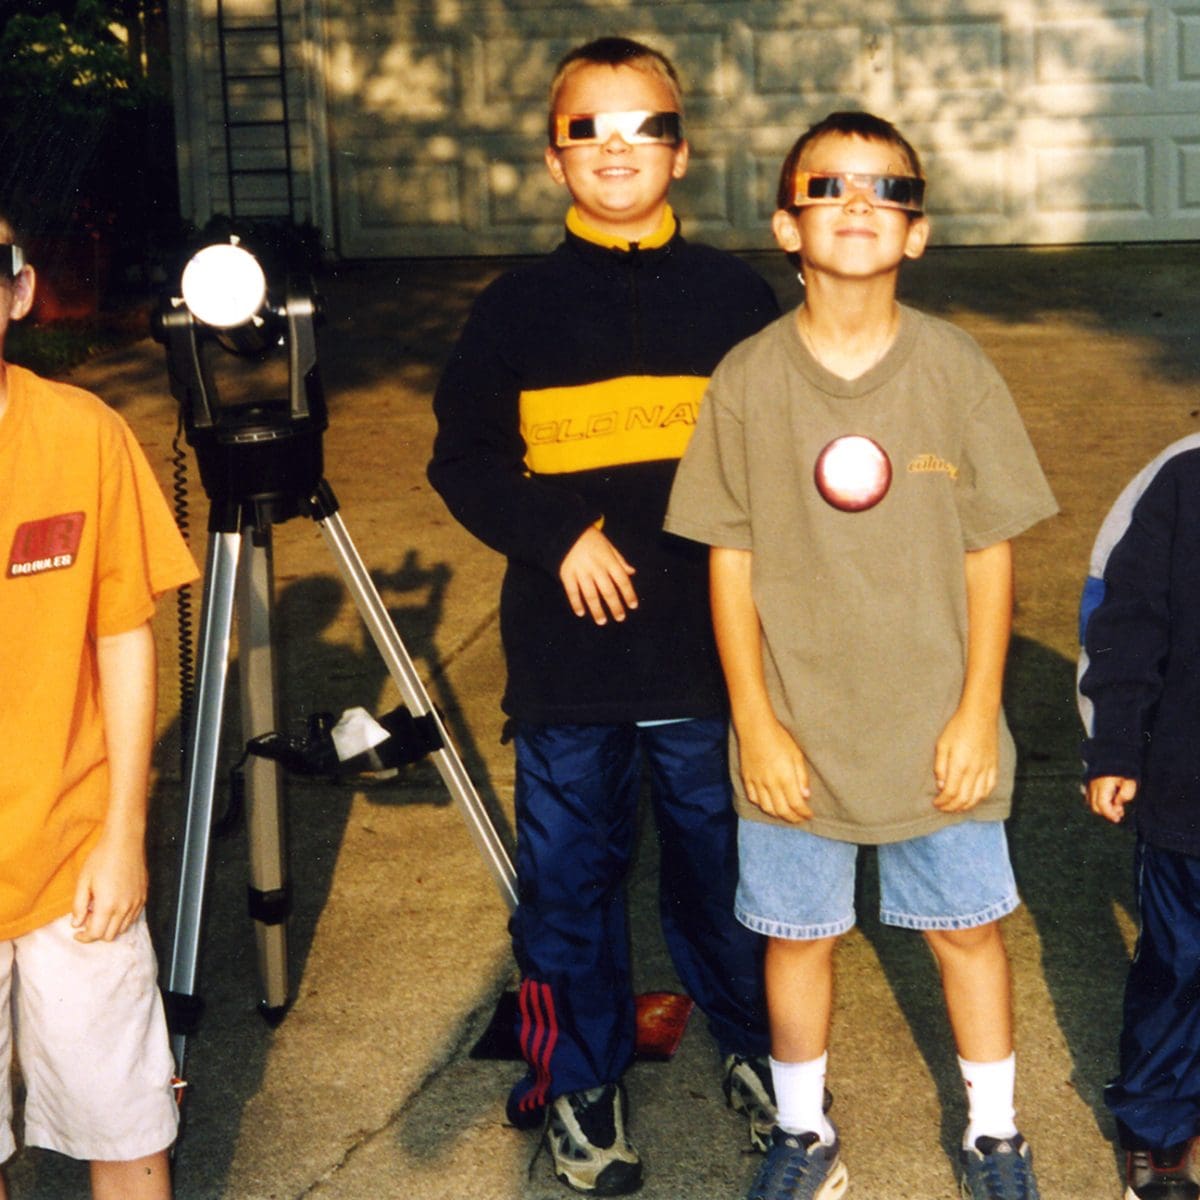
1073	873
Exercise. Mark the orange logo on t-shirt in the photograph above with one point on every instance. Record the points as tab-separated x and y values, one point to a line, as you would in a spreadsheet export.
50	544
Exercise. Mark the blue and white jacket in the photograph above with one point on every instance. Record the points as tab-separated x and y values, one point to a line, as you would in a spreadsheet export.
1139	667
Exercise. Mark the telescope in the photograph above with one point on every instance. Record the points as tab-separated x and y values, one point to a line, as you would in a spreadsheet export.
261	462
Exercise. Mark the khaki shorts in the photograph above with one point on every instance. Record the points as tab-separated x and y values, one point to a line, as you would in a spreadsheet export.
92	1044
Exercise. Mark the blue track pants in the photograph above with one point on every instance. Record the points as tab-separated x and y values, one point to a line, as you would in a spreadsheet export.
1156	1095
577	790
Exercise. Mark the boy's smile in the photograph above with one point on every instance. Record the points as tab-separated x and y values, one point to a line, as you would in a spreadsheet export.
618	188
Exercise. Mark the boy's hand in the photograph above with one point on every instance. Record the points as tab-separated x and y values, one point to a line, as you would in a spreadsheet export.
111	890
1107	795
596	578
965	760
774	772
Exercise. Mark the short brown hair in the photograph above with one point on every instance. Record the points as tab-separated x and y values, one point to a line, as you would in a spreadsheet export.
849	124
613	52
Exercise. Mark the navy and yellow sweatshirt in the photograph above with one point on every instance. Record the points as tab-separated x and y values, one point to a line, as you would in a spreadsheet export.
568	401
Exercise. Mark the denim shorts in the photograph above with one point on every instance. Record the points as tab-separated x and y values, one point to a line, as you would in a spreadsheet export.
794	884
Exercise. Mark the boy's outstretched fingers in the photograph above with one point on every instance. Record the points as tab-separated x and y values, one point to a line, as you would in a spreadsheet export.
1107	796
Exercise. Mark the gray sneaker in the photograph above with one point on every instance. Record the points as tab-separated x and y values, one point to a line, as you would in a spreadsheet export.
998	1169
748	1090
1160	1175
586	1135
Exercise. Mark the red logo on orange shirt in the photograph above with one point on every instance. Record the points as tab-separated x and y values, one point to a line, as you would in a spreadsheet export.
50	544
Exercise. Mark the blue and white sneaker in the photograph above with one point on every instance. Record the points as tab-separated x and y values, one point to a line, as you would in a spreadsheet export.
998	1169
799	1167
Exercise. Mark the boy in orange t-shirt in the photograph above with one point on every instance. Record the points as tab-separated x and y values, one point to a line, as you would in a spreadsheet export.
88	544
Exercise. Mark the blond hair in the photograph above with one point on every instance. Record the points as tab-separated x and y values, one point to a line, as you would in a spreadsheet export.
613	52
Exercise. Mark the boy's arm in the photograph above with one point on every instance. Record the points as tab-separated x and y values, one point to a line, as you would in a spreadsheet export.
1127	638
112	883
967	754
478	463
774	772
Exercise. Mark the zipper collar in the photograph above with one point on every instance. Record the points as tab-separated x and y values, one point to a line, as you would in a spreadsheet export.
667	228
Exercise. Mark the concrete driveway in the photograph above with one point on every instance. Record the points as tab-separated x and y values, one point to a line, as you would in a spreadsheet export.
399	948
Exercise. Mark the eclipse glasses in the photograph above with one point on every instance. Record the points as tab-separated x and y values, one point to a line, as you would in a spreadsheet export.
12	260
886	191
635	128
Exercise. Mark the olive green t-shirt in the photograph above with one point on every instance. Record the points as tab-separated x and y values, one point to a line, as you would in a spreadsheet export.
863	614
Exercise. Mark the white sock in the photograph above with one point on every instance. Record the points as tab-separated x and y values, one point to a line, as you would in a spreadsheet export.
800	1097
990	1111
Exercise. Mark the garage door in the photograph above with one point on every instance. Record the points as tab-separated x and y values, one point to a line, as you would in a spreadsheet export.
1039	122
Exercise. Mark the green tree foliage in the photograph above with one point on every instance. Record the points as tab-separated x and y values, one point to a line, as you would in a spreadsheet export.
84	113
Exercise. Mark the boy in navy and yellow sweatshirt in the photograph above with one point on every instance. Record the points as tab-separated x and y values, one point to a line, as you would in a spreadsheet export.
562	414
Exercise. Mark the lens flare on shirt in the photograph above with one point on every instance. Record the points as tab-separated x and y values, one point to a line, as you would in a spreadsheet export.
853	473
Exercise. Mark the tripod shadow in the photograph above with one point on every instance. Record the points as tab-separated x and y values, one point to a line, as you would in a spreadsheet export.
1073	875
326	661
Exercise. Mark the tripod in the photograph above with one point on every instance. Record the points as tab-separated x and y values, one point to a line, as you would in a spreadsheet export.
261	466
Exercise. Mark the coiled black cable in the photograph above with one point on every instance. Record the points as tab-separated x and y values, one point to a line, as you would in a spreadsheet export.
183	600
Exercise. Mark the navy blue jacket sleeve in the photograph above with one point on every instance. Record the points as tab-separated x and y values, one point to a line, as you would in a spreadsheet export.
1127	637
478	464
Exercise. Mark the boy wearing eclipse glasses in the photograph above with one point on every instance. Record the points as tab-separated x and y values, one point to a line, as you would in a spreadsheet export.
89	544
562	415
858	470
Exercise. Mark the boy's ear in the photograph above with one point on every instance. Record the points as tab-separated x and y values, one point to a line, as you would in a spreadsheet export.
680	164
786	229
918	236
24	285
555	167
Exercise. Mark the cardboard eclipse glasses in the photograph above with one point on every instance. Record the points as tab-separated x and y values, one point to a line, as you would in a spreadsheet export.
886	191
12	260
635	128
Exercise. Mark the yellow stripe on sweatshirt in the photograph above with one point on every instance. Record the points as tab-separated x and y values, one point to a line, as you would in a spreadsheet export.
631	419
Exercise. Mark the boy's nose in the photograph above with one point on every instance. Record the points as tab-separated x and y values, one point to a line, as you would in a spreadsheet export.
616	144
859	198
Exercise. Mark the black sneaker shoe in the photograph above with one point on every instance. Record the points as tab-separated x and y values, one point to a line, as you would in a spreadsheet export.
1160	1175
748	1090
586	1135
998	1169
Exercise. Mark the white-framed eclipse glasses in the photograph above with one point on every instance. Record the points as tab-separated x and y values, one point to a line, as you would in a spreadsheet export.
635	128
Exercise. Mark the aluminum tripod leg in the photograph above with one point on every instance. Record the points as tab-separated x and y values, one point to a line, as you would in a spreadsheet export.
220	576
400	667
269	894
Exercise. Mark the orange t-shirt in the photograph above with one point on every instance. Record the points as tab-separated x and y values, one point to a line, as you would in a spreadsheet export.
88	544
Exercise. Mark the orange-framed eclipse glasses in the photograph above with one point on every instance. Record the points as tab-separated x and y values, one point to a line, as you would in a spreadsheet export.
886	191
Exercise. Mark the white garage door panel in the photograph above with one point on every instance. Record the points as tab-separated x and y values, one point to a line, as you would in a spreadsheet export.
1038	122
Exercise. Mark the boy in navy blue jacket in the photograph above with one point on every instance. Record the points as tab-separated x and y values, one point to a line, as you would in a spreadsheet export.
1140	699
562	415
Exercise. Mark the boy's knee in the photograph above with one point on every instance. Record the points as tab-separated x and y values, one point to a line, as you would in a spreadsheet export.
797	950
978	939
